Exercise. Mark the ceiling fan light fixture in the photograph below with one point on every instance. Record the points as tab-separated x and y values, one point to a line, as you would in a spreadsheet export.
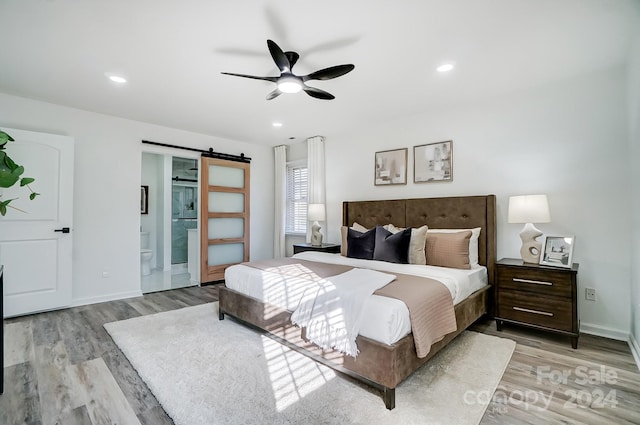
288	82
289	85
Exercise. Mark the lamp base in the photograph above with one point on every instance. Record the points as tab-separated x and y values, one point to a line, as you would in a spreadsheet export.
531	248
316	236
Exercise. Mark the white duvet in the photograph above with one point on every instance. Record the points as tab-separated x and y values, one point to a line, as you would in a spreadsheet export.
385	319
332	312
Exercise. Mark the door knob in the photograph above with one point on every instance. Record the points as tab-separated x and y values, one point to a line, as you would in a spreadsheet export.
63	230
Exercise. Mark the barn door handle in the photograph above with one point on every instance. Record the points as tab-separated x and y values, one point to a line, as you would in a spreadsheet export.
63	230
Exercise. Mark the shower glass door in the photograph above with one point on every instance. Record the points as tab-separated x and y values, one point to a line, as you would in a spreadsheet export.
225	217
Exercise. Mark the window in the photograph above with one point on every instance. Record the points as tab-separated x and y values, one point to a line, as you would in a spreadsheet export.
297	187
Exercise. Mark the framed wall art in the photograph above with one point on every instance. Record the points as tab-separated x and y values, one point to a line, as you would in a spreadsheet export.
144	199
391	167
433	162
557	251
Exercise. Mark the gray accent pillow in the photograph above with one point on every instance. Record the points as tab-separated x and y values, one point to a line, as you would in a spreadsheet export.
392	247
417	245
361	245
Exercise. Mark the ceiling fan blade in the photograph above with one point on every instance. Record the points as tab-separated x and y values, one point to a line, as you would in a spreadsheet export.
272	79
317	93
329	73
274	94
293	58
278	56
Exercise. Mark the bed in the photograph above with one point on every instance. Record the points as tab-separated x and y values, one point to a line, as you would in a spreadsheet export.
380	364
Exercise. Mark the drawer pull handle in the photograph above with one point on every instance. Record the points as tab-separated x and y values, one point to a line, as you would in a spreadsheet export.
526	310
537	282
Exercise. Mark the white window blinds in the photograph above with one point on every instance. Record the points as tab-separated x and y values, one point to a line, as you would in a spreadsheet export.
297	198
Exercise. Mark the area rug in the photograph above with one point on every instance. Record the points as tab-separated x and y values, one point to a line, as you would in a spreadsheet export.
206	371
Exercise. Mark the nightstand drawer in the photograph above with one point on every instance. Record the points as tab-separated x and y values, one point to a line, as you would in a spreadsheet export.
546	282
527	308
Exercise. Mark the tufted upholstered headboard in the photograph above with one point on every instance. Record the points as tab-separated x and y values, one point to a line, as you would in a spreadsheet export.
460	212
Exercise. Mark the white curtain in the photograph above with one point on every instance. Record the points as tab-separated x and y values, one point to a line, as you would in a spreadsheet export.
315	164
280	201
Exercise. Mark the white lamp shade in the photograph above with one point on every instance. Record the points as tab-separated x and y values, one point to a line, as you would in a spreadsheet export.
529	209
316	212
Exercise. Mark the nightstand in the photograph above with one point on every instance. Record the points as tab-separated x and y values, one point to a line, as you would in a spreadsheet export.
537	296
326	247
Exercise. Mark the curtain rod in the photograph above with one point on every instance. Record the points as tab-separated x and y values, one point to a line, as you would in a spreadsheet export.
208	153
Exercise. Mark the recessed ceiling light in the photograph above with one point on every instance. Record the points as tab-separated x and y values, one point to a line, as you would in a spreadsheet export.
116	78
277	124
445	68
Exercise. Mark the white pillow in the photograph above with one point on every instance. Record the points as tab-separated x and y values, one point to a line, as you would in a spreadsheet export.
359	227
473	241
417	254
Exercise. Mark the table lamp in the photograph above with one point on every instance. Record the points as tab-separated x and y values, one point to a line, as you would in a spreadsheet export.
316	213
529	209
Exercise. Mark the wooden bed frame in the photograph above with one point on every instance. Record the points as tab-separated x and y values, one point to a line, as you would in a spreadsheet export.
380	365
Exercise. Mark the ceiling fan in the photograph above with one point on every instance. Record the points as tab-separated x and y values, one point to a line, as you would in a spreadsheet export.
288	82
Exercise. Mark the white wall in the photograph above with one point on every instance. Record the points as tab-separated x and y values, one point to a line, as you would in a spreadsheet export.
152	176
634	157
568	140
107	196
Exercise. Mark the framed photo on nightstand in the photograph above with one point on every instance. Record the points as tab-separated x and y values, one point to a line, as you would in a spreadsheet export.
557	251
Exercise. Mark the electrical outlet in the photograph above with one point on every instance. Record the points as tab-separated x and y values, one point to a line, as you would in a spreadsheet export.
105	274
590	294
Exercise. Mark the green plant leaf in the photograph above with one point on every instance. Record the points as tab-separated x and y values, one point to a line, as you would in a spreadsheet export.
4	138
3	206
8	178
26	180
9	175
10	163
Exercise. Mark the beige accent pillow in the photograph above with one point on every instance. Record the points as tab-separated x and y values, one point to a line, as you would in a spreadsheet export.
417	253
473	242
448	249
343	247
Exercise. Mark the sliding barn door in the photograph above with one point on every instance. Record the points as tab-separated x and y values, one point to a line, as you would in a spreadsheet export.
224	217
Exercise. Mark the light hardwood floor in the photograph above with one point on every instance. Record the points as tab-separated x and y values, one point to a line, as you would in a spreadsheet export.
63	368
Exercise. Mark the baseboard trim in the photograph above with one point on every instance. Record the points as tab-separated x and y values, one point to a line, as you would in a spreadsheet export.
597	330
104	298
635	349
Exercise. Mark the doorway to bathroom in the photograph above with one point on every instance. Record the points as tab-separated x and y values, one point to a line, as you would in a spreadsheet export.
169	224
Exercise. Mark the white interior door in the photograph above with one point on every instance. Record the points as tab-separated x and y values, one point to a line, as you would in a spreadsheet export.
34	250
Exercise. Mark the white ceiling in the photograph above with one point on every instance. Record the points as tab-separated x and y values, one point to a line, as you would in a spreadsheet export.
172	53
